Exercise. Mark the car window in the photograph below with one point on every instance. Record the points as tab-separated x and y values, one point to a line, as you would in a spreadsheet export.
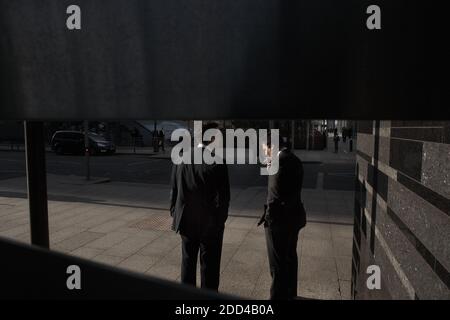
77	136
97	137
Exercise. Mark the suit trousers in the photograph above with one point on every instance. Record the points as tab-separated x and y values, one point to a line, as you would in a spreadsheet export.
210	248
281	242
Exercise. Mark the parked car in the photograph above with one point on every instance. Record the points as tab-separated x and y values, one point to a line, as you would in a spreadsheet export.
73	142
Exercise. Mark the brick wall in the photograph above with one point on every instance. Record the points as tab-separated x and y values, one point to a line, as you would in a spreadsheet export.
402	207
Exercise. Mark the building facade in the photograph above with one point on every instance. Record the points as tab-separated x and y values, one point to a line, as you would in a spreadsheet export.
402	207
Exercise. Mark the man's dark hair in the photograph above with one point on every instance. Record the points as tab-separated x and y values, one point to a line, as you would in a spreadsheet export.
283	143
206	126
210	125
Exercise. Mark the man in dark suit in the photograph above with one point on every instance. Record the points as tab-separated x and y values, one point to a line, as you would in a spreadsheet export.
283	218
199	206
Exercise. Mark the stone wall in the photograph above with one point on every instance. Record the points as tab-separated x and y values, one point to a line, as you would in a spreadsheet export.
402	207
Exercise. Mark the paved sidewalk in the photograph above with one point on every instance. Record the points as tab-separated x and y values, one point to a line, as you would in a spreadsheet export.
140	240
127	225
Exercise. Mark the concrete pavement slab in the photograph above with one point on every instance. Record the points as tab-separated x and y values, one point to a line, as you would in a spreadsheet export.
342	246
128	247
242	223
228	251
107	259
345	289
109	226
138	263
86	252
24	237
255	241
237	280
319	269
234	236
107	241
262	286
319	290
316	247
15	231
344	268
161	245
164	270
78	240
318	231
13	223
341	231
64	233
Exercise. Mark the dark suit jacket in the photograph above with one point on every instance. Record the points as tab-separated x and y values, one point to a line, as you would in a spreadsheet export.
284	204
200	198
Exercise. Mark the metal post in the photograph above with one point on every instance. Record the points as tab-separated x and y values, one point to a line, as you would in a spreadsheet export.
292	134
37	183
307	135
87	150
155	138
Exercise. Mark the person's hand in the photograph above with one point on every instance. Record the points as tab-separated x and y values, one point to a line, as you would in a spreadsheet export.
267	161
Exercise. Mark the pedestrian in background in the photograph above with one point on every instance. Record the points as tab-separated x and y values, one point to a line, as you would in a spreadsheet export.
350	134
325	139
336	141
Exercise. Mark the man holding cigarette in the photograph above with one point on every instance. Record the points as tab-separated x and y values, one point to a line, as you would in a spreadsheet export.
283	218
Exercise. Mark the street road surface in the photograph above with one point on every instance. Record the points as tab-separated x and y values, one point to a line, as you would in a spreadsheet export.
148	169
